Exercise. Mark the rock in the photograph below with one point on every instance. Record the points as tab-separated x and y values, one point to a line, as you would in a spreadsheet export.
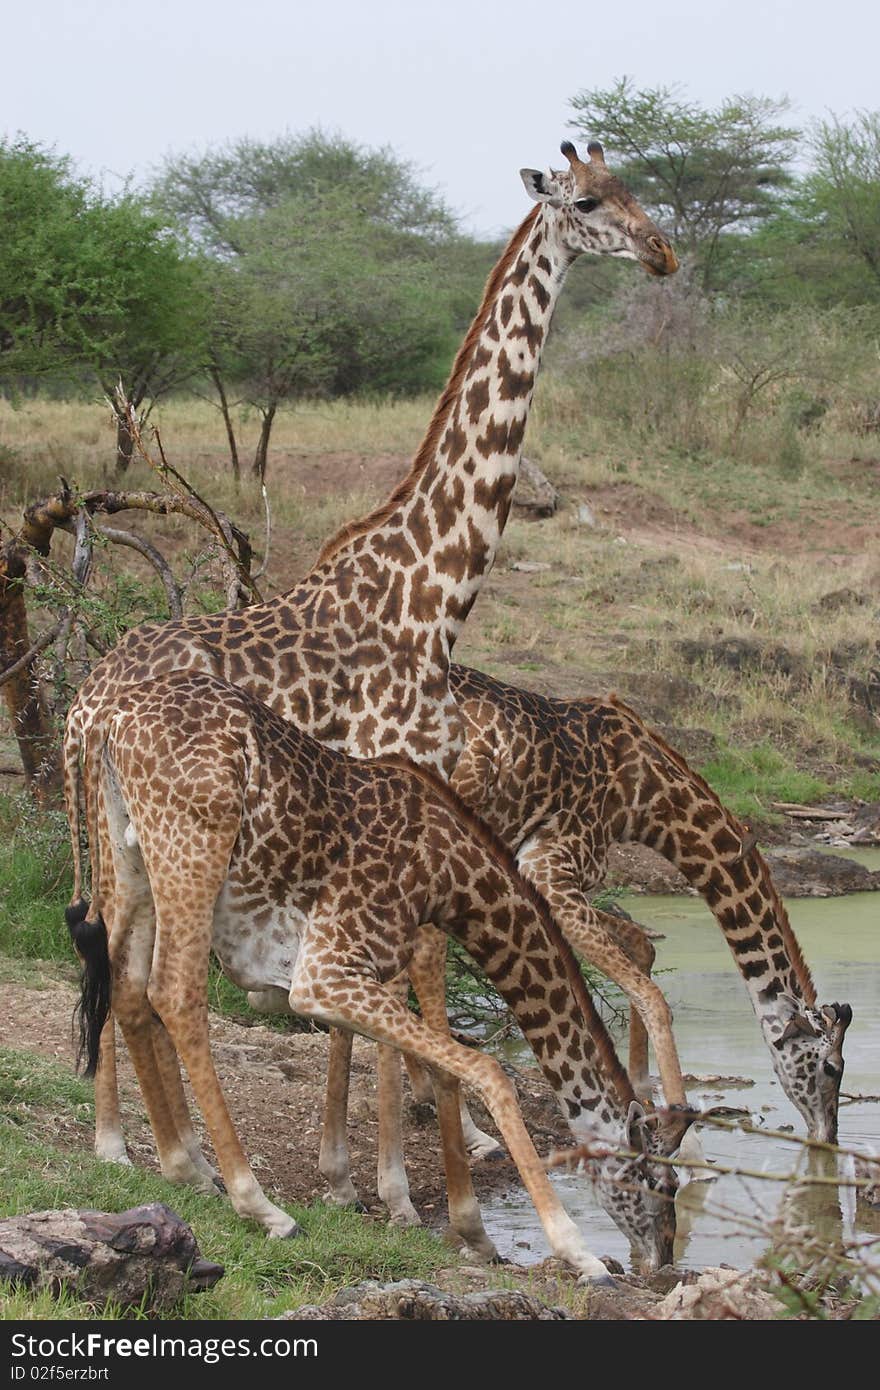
838	599
866	819
534	495
636	867
808	873
103	1256
413	1301
586	516
720	1294
745	654
530	566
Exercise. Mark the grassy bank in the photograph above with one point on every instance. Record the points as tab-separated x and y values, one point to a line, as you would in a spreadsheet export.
262	1277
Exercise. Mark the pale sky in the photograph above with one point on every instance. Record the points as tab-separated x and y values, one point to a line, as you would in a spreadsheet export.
470	90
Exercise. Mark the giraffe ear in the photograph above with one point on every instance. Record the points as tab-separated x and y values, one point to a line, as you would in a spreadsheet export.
542	187
635	1132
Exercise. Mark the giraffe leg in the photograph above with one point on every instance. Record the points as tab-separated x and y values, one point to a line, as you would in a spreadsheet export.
549	865
178	992
392	1180
109	1139
429	961
169	1073
349	998
640	950
333	1160
131	948
432	1001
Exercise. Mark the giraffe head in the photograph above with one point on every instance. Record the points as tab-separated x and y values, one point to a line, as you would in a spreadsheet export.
638	1193
596	213
806	1044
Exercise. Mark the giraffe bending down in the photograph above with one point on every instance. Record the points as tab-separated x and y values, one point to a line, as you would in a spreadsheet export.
358	653
560	780
309	871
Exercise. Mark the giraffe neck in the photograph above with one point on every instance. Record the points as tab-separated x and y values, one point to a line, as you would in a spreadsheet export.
535	971
664	804
441	526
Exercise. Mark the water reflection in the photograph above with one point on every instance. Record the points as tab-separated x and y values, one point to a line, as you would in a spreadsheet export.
734	1220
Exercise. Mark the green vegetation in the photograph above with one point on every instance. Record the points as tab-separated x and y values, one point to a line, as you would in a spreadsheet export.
262	1277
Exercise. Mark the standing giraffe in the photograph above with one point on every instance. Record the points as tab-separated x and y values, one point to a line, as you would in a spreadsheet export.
309	871
358	653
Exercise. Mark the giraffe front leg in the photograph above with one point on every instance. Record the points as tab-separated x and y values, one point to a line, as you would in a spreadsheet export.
552	868
349	999
635	943
431	990
392	1180
428	972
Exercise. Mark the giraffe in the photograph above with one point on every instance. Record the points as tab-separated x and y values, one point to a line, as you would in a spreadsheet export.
230	830
560	780
358	653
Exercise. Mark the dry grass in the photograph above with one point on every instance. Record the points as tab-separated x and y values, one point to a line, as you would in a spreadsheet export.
689	548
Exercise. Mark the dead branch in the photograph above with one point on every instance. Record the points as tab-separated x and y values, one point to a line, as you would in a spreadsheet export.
26	557
34	650
235	545
155	558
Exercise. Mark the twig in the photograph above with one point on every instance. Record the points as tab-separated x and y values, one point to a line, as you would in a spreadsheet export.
154	557
40	645
262	570
179	484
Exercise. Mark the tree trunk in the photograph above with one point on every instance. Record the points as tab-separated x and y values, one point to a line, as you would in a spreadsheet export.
124	444
227	420
260	457
31	723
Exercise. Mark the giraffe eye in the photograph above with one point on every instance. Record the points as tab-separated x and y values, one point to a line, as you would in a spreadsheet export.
586	204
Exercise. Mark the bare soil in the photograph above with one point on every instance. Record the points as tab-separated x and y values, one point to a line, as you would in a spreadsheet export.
274	1085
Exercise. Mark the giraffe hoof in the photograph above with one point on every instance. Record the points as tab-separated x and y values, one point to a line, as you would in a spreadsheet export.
497	1259
495	1155
292	1232
358	1206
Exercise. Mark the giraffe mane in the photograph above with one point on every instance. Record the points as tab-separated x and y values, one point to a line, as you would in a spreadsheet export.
428	447
611	1063
792	945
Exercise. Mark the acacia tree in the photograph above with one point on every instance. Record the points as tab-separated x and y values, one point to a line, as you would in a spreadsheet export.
92	287
41	203
329	268
145	321
703	172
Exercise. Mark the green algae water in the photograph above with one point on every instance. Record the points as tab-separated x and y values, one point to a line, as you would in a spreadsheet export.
727	1220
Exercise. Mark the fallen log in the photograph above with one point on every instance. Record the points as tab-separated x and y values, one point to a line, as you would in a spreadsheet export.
102	1257
798	812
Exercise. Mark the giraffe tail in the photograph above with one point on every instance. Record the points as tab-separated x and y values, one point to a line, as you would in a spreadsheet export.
85	923
93	1010
71	774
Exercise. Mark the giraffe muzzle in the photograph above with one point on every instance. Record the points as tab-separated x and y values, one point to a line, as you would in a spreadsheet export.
658	257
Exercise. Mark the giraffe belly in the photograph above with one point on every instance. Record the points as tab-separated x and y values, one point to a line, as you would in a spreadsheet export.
257	947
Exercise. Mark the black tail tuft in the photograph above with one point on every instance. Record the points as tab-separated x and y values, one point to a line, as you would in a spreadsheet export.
93	1009
75	914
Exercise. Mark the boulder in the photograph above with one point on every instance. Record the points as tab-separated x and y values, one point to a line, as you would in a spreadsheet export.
411	1300
808	873
106	1256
